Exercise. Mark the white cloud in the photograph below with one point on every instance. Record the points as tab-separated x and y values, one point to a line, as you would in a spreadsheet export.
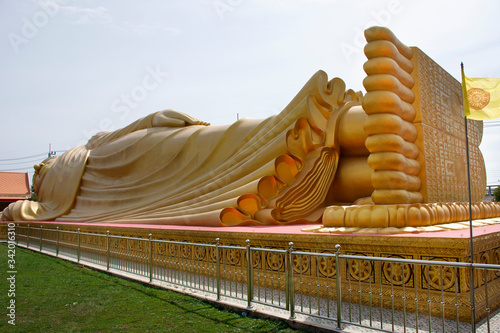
81	15
147	28
78	15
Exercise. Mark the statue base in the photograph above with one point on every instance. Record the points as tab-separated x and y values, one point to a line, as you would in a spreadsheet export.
432	286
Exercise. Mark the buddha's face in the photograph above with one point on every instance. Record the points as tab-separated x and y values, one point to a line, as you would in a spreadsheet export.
40	173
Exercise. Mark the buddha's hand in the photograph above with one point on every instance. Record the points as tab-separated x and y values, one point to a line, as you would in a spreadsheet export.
171	118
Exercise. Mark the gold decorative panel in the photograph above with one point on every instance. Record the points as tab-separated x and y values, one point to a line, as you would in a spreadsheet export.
441	135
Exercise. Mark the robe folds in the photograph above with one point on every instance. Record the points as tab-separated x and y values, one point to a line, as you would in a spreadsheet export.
271	171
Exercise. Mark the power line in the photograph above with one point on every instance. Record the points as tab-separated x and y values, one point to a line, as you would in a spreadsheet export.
23	162
491	123
18	169
21	158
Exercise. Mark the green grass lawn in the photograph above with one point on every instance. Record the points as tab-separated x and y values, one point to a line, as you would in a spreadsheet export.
53	295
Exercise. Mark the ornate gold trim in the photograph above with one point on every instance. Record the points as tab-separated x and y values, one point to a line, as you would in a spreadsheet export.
406	218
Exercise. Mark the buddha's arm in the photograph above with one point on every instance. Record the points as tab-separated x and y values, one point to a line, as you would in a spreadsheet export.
171	118
165	118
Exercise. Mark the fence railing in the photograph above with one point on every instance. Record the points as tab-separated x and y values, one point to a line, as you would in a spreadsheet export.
389	294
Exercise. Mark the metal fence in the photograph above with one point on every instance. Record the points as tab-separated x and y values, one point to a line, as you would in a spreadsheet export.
386	294
490	189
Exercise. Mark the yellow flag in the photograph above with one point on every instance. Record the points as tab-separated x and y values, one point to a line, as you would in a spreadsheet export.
481	97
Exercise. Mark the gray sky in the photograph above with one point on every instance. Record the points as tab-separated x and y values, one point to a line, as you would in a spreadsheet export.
72	68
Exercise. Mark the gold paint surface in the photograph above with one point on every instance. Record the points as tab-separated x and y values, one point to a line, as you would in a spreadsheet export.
416	139
171	168
441	127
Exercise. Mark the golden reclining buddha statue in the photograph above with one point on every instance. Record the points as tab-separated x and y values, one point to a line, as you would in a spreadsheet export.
392	158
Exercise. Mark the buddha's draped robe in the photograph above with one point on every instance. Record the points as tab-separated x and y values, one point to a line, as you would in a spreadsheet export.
275	170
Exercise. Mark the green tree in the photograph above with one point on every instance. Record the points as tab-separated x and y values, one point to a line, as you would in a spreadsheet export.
33	196
496	194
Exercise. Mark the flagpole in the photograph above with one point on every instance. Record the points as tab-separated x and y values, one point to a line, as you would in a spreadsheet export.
472	284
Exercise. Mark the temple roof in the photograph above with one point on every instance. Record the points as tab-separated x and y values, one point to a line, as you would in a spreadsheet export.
14	185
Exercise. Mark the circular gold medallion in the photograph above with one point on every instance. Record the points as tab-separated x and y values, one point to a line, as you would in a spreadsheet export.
478	98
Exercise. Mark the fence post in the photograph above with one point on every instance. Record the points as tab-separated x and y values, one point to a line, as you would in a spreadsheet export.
41	232
249	275
57	242
78	248
150	259
338	285
472	294
107	250
28	237
289	284
217	267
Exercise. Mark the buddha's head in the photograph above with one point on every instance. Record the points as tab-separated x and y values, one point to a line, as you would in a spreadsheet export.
41	171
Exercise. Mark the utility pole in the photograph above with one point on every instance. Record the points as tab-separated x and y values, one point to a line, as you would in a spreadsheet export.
51	152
